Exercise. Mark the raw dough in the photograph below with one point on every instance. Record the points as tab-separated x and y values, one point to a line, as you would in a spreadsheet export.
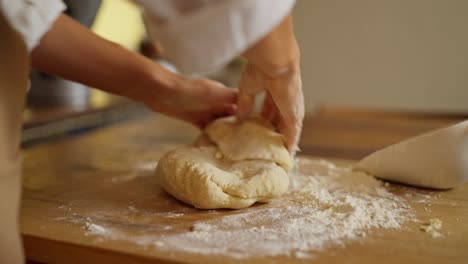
231	165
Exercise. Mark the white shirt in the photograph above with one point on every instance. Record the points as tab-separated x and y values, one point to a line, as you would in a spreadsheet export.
201	35
31	18
197	35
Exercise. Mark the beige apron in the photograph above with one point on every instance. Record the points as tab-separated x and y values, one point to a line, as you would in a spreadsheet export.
14	69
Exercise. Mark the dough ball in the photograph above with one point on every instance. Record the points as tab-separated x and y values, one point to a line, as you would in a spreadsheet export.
253	139
231	165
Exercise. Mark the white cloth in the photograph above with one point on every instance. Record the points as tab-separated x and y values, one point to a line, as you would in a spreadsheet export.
197	35
201	35
31	18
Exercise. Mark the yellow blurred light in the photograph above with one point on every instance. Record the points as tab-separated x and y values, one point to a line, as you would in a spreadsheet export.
120	21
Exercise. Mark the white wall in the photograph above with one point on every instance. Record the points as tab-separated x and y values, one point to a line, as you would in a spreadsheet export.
405	54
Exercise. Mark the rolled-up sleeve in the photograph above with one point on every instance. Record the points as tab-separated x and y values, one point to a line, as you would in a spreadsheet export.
31	18
202	35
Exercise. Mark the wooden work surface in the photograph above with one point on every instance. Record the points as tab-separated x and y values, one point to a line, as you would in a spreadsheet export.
109	171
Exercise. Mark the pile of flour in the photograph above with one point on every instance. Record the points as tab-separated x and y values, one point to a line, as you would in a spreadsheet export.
326	206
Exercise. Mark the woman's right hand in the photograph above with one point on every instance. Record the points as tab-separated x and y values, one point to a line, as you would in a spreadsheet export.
273	66
197	101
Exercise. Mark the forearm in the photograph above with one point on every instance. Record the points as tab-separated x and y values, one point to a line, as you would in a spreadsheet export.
73	52
276	53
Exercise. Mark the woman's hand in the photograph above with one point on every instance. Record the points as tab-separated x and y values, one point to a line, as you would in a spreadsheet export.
273	66
283	105
197	101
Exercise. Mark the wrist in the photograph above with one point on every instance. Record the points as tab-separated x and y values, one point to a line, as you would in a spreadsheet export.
157	84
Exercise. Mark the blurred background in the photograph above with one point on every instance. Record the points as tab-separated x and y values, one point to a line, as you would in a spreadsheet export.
398	54
403	55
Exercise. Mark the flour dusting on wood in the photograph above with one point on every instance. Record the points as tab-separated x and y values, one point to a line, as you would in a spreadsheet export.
326	206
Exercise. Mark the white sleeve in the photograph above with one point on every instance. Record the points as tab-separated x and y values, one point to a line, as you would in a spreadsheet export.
31	19
201	35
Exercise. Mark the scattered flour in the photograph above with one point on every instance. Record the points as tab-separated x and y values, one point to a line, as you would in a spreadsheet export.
95	229
326	206
433	227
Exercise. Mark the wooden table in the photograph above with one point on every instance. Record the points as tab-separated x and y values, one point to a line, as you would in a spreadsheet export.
102	171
